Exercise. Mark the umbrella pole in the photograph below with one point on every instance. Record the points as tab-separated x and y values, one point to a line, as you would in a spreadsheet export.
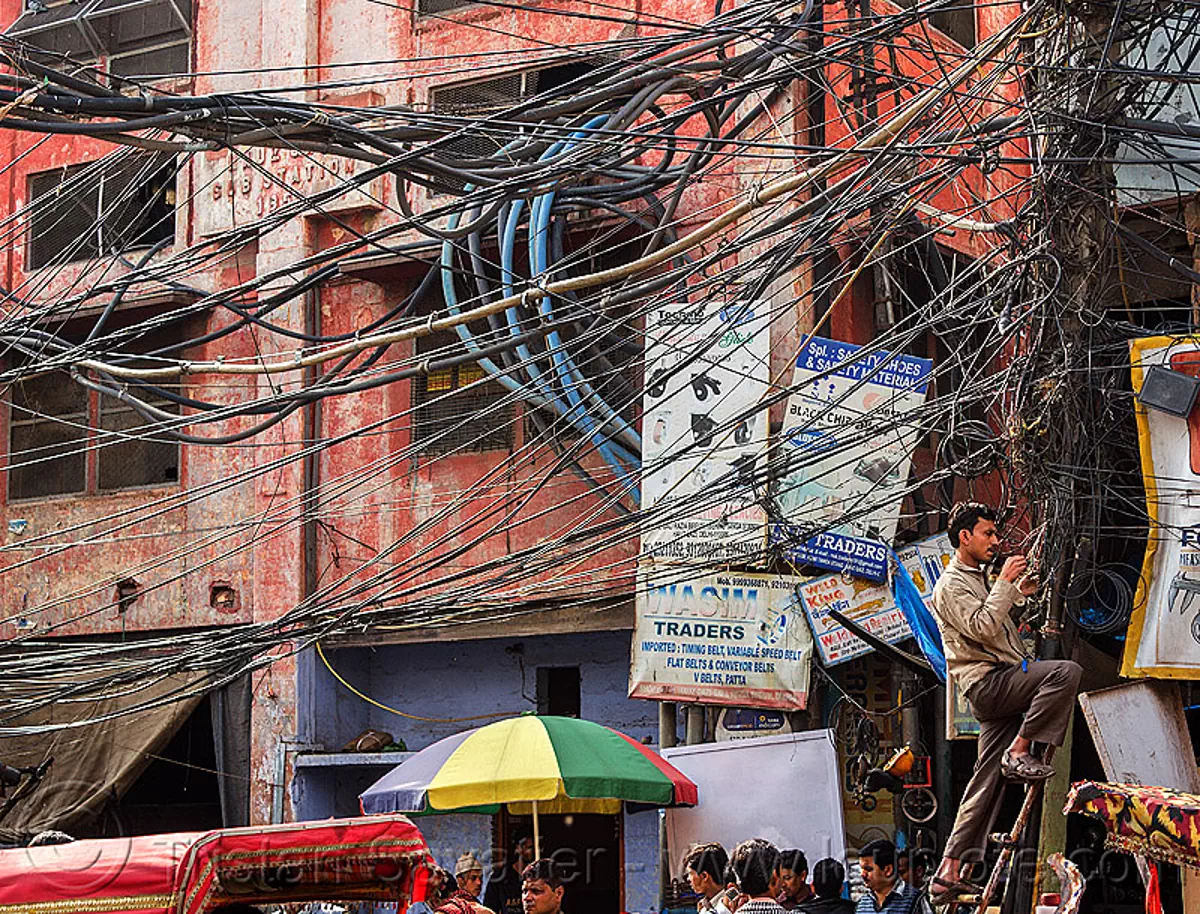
537	835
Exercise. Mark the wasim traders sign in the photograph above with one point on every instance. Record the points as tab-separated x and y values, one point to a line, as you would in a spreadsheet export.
727	638
1163	638
704	436
846	449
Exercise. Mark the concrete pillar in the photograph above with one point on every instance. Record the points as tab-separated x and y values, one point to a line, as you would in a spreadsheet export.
668	725
695	725
289	40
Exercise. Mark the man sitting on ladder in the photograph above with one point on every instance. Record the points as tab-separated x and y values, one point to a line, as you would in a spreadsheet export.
1019	701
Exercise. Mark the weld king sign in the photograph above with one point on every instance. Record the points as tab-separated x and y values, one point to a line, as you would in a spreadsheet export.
851	425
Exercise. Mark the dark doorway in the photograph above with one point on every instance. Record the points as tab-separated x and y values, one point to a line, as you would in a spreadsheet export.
177	791
558	690
588	849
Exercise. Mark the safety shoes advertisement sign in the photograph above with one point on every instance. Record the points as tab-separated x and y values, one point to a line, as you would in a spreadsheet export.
847	445
704	435
1164	630
726	638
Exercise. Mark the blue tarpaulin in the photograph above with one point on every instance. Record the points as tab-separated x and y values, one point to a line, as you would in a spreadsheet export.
920	619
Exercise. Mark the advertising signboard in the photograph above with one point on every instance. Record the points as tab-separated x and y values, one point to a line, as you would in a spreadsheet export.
726	638
1163	639
707	368
865	602
848	445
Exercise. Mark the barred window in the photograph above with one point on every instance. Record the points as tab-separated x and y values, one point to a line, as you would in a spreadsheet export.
132	38
131	454
481	99
61	436
83	211
456	408
48	432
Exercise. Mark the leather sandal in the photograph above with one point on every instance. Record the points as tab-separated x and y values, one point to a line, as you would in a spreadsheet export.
1024	768
945	891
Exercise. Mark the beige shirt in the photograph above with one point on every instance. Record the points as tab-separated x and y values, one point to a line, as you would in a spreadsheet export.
978	631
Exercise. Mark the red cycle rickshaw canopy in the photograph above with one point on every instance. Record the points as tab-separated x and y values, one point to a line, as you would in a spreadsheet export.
379	858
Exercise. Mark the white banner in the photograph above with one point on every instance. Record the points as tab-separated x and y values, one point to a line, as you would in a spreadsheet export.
730	638
707	367
1164	630
850	407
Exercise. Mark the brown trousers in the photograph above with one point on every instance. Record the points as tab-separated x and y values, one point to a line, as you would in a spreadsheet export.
1035	703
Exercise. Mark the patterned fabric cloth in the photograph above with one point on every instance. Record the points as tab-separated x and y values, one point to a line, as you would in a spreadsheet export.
761	906
1151	821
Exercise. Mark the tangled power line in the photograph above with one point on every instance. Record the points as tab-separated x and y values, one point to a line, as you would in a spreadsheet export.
646	174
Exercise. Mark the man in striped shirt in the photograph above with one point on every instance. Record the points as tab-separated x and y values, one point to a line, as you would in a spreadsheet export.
887	893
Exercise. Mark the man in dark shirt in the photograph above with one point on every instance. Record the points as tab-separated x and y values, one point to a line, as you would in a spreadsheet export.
793	880
503	892
828	878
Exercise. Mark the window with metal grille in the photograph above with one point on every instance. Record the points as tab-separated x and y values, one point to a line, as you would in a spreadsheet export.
956	22
53	449
426	7
138	456
135	38
131	451
452	411
48	429
481	99
83	211
432	7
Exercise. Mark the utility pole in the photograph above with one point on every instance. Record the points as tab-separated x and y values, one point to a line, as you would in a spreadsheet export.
1075	103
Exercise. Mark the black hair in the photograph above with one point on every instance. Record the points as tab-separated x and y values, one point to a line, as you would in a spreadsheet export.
964	516
917	858
754	862
708	858
794	860
545	870
828	877
883	852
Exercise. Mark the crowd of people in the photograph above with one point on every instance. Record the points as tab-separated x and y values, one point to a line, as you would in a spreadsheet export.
756	878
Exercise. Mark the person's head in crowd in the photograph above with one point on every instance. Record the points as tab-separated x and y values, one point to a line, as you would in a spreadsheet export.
912	866
793	876
541	888
828	878
878	862
469	873
705	866
755	865
523	852
441	886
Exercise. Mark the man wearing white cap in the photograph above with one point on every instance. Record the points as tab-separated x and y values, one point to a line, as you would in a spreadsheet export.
464	884
469	873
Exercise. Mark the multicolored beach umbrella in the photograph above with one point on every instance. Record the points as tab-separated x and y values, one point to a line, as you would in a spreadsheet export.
551	764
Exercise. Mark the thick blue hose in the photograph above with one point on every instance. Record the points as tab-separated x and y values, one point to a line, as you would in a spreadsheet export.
536	398
538	262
